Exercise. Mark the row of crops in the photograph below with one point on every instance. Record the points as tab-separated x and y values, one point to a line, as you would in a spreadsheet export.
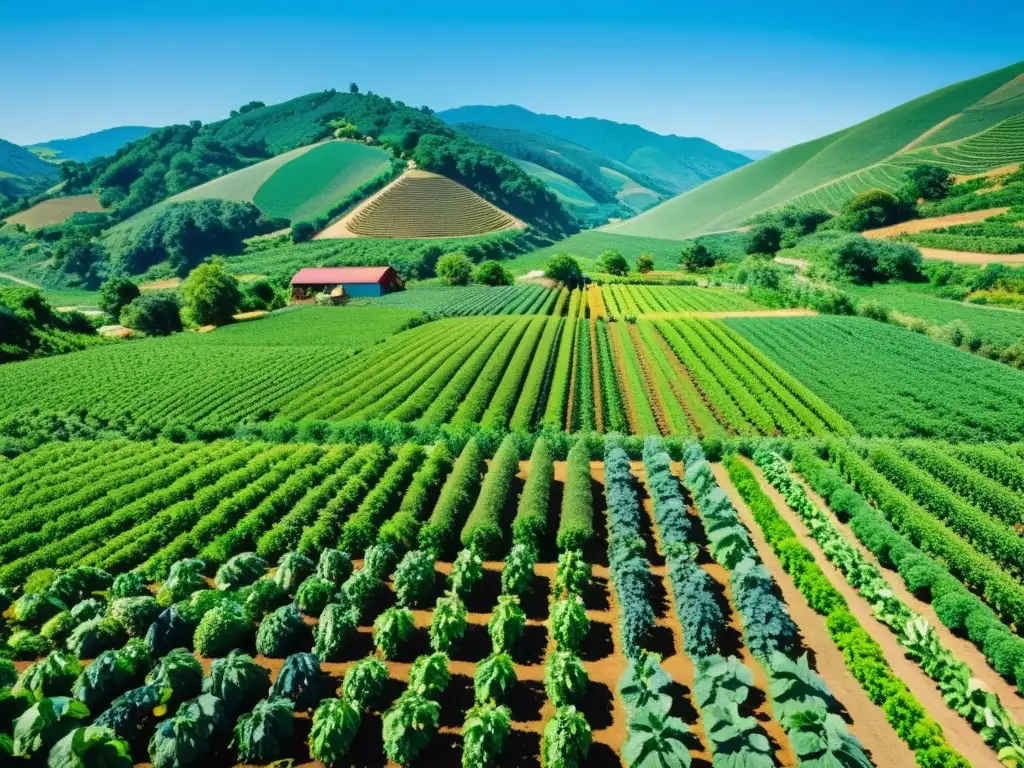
632	300
998	234
475	300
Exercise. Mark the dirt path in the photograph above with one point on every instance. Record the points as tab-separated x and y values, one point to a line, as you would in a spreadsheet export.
798	263
958	732
1003	171
731	313
618	359
969	257
664	424
964	649
936	222
18	280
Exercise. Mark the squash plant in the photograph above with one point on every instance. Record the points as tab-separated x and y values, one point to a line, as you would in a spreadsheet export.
448	623
569	623
238	681
507	623
494	678
392	629
335	725
262	735
365	682
734	739
721	680
300	680
483	734
429	675
409	725
567	739
565	679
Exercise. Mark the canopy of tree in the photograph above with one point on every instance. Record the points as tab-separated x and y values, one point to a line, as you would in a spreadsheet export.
30	327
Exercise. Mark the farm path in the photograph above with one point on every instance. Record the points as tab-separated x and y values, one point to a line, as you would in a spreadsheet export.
957	730
866	721
936	222
964	649
970	257
18	280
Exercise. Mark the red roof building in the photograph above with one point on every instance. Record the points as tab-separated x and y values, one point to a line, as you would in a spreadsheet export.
354	281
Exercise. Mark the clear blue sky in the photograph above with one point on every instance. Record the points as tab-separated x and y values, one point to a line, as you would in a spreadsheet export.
742	74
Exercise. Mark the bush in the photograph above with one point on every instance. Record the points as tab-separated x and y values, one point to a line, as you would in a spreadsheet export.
334	565
492	272
240	571
91	637
300	681
448	623
576	525
136	614
211	294
483	530
170	630
336	627
517	575
262	597
391	629
184	578
409	725
365	682
414	579
531	521
484	734
303	231
223	629
238	681
565	269
178	674
292	570
314	594
644	263
613	263
569	623
52	676
283	632
467	572
429	675
567	739
129	584
507	623
335	725
494	678
155	314
454	269
263	734
116	294
764	238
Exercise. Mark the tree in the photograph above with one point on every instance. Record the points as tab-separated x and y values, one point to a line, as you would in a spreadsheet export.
454	268
644	263
303	231
875	208
565	269
156	314
928	181
353	88
697	256
117	293
764	238
613	262
492	273
211	294
77	253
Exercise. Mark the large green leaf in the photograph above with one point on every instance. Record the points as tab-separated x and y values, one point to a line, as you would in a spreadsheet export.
45	723
655	740
90	747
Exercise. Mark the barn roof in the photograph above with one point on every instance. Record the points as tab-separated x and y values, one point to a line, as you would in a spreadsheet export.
334	275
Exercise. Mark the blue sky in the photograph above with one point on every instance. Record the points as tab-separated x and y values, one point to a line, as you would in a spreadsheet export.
742	74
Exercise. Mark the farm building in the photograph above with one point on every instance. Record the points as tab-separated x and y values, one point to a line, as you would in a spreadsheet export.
353	281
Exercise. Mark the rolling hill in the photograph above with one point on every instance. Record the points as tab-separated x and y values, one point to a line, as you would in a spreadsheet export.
22	173
674	162
968	127
82	149
592	185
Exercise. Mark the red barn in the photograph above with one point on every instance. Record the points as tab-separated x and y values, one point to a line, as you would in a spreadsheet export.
353	281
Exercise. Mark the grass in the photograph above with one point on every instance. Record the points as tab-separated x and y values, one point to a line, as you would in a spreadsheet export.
314	181
1002	326
728	201
56	210
306	326
568	191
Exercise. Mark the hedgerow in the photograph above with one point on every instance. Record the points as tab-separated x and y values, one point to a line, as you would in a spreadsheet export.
483	529
531	521
438	534
576	525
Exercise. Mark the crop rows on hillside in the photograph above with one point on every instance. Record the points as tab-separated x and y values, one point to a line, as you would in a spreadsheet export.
998	146
634	300
476	300
886	381
426	605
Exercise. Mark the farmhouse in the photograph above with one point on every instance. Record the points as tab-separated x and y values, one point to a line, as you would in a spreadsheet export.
352	281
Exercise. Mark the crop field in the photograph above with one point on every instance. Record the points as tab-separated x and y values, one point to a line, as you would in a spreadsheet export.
998	234
887	381
587	247
56	210
457	302
634	300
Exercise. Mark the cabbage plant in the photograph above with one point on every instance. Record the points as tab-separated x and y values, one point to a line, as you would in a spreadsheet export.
90	747
314	594
300	681
222	630
111	674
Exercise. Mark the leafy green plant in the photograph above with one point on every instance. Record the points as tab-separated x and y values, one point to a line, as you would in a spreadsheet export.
517	575
391	629
429	675
721	679
33	609
314	594
531	522
567	739
184	578
467	572
58	629
335	725
576	524
409	725
262	597
364	683
565	679
793	687
45	723
25	645
8	673
507	623
336	627
240	571
300	680
238	681
110	674
262	735
283	632
53	676
572	574
569	623
188	736
379	559
129	584
448	623
655	740
483	532
494	677
735	738
88	609
414	579
131	713
90	747
643	684
438	534
334	565
360	589
178	673
483	734
135	613
821	738
223	629
292	569
78	583
170	630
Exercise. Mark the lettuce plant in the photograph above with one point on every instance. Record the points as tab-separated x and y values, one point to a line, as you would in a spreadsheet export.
136	614
179	674
169	630
53	676
263	597
45	723
184	578
111	674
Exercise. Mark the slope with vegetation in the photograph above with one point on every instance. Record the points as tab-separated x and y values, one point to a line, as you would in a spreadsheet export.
22	173
828	171
82	149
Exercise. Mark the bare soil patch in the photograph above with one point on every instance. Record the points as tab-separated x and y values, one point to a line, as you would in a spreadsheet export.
969	257
1001	171
936	222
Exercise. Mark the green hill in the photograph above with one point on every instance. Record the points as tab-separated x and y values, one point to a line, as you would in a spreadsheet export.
969	127
82	149
674	162
22	173
609	188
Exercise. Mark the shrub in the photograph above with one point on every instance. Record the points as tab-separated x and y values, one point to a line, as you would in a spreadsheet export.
493	678
613	263
223	629
391	629
170	630
531	521
415	578
429	675
517	575
238	681
300	680
438	534
335	725
111	674
336	627
483	532
448	623
567	739
262	597
467	572
409	726
365	682
506	624
136	614
454	269
52	676
565	679
59	628
129	584
178	675
79	583
314	594
116	293
87	609
283	632
262	735
184	578
569	623
155	314
576	525
565	269
292	570
492	272
89	638
303	231
484	734
240	571
334	565
211	294
572	574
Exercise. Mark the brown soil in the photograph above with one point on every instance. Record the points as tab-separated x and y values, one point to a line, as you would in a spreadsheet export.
732	313
962	648
596	301
618	356
798	263
968	257
1002	171
936	222
664	425
595	375
56	210
958	732
161	285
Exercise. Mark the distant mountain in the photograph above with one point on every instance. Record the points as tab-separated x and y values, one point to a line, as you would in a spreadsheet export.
969	127
754	154
85	148
676	163
22	173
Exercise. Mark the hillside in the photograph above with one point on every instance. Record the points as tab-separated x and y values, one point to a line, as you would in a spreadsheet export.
675	162
968	127
82	149
593	185
22	173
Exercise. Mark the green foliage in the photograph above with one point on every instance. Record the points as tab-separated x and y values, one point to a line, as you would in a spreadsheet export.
52	676
365	682
45	723
613	263
928	181
467	572
263	734
335	725
91	637
179	675
136	614
292	570
494	678
565	269
187	737
817	735
415	578
391	630
238	681
314	594
531	521
576	525
211	294
764	238
129	584
572	574
656	740
283	632
223	629
484	733
170	630
567	739
334	565
517	575
90	747
117	293
507	623
241	570
429	675
264	596
111	674
303	231
454	269
154	314
409	725
32	328
643	685
565	679
448	622
184	578
438	534
300	680
483	532
492	273
336	627
569	623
